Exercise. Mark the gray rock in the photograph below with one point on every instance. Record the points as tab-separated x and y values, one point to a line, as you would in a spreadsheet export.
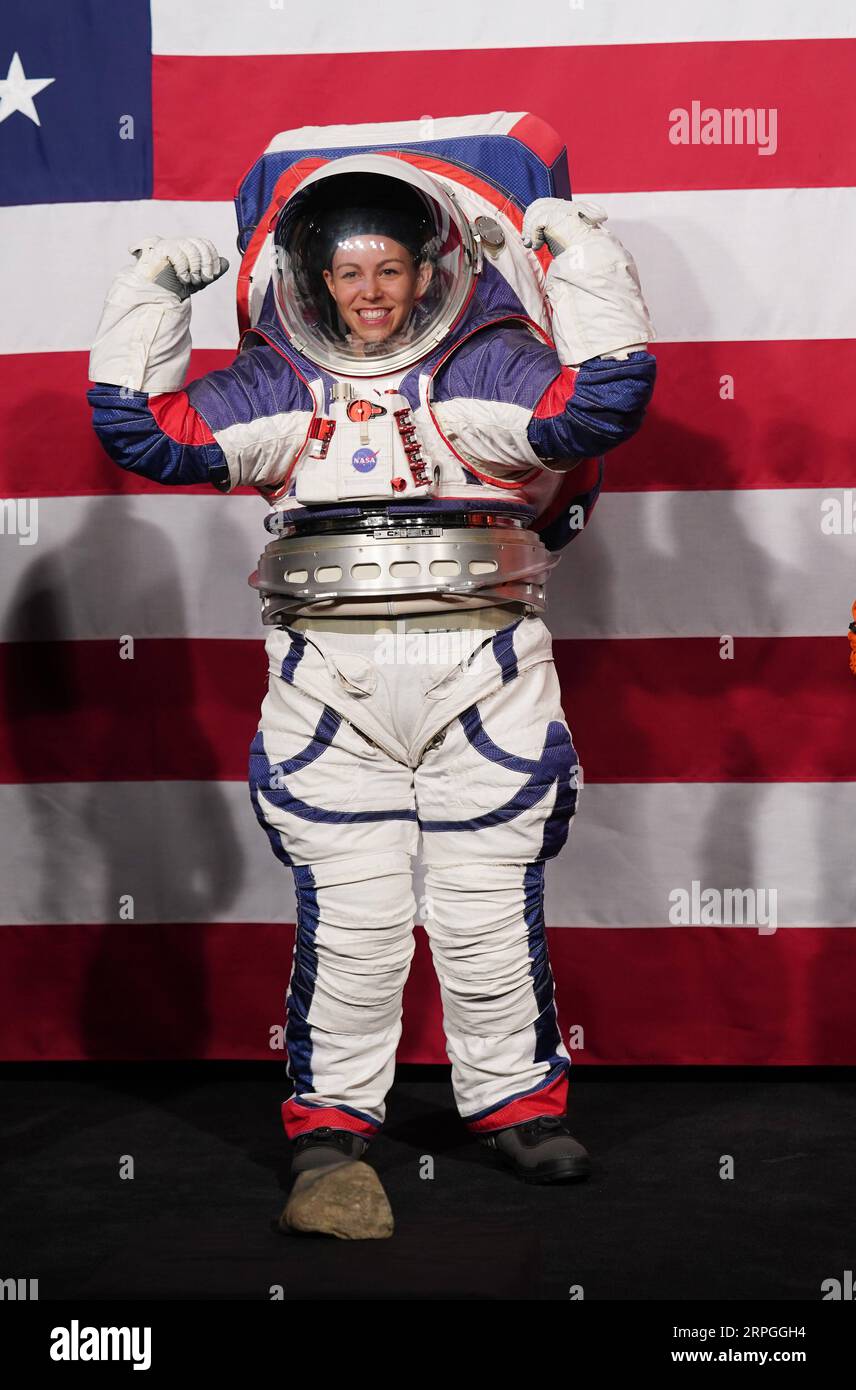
347	1201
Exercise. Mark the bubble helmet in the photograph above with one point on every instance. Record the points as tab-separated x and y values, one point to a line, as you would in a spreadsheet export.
373	263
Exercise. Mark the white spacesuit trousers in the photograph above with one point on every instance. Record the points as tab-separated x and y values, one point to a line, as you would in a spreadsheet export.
368	740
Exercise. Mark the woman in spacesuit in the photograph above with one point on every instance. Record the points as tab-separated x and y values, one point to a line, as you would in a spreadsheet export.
407	420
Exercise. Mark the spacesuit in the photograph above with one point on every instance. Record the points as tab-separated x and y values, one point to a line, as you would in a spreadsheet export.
408	414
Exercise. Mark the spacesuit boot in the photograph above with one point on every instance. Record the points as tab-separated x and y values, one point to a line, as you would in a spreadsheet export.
333	1192
326	1147
540	1151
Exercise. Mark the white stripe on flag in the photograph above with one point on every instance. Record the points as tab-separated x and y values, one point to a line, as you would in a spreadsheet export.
753	563
282	26
193	851
716	265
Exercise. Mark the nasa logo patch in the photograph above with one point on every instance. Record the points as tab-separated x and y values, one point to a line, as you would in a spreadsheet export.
364	460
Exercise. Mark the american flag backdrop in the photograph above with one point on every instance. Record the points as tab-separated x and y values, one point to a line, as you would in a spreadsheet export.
699	623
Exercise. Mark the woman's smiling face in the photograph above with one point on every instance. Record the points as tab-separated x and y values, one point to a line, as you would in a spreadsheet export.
375	285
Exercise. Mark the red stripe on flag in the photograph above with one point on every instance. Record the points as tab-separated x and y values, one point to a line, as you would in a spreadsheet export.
48	447
643	710
672	710
771	434
181	709
215	990
744	415
201	105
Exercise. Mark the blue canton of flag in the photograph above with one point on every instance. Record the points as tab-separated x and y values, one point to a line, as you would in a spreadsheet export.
75	101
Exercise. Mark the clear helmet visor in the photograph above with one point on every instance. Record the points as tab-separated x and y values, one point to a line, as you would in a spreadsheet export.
370	270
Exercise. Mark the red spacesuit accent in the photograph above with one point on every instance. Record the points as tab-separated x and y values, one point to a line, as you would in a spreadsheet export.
557	395
549	1100
302	1119
175	415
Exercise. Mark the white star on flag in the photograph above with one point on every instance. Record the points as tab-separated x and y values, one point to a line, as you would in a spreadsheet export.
17	91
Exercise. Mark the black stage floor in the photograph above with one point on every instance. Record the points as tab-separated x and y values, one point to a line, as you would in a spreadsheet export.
655	1221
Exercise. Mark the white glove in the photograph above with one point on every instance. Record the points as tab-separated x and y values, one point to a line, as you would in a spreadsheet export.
592	284
143	338
181	264
558	223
